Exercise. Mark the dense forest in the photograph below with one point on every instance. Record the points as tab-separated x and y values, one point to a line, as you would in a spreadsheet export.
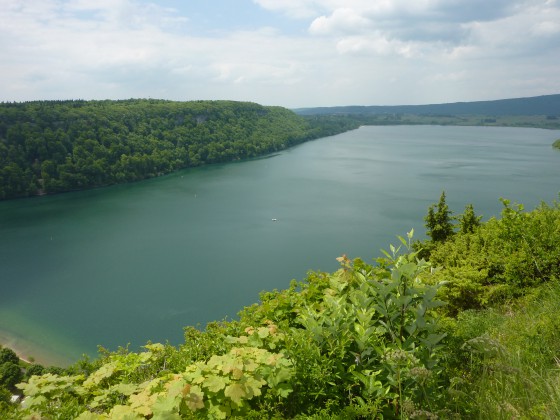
56	146
462	325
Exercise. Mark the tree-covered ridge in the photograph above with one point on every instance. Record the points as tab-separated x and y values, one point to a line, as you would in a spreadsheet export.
386	340
548	105
56	146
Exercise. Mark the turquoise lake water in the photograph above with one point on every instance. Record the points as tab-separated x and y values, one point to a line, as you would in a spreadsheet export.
137	262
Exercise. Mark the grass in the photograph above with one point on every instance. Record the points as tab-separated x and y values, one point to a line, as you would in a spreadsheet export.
515	366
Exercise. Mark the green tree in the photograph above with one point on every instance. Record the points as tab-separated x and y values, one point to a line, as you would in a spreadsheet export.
10	375
469	221
438	221
8	356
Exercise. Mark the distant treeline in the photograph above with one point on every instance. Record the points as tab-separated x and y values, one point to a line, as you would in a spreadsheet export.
56	146
548	105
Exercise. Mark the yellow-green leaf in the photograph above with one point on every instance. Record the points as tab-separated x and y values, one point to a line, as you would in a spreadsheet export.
88	415
141	403
215	383
195	399
263	332
123	412
236	392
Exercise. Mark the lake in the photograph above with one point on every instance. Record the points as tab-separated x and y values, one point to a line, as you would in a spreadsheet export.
138	262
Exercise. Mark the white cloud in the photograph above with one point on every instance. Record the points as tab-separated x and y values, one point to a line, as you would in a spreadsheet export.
355	52
342	20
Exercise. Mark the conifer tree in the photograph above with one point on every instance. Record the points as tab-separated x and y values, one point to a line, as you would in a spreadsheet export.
469	221
438	222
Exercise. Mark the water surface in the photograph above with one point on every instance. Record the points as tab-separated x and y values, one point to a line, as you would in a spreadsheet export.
137	262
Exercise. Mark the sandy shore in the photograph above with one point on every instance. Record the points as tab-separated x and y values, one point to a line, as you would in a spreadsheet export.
32	352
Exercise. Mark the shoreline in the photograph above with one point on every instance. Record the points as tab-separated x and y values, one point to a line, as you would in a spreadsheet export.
32	352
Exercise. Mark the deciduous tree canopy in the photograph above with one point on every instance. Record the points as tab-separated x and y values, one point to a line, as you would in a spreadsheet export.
56	146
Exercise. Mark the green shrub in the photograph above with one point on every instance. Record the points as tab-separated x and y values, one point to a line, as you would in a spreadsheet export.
500	260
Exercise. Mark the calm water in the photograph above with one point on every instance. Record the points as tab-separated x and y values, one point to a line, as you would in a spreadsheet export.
138	262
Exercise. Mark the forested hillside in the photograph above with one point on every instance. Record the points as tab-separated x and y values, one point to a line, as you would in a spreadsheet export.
55	146
473	333
539	105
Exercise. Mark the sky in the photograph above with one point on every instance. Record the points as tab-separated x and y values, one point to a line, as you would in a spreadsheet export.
292	53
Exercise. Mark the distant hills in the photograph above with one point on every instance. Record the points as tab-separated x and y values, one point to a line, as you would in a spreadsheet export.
538	105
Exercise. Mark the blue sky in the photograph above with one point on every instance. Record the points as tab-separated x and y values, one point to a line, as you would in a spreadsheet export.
293	53
215	18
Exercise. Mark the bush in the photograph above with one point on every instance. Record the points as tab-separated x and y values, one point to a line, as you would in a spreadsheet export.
8	356
10	375
500	260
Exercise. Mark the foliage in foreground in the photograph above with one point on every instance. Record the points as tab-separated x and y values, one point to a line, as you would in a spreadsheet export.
368	341
362	340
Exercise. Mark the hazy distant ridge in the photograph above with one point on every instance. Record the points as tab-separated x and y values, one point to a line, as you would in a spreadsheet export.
538	105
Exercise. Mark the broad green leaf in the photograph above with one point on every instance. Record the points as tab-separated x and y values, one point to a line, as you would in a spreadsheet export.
236	392
421	321
177	387
215	383
155	347
251	366
145	356
30	402
195	399
88	415
232	364
254	340
215	362
283	374
411	329
360	330
125	389
167	416
433	339
231	340
123	412
166	404
219	411
253	387
105	371
142	403
237	374
263	332
283	389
